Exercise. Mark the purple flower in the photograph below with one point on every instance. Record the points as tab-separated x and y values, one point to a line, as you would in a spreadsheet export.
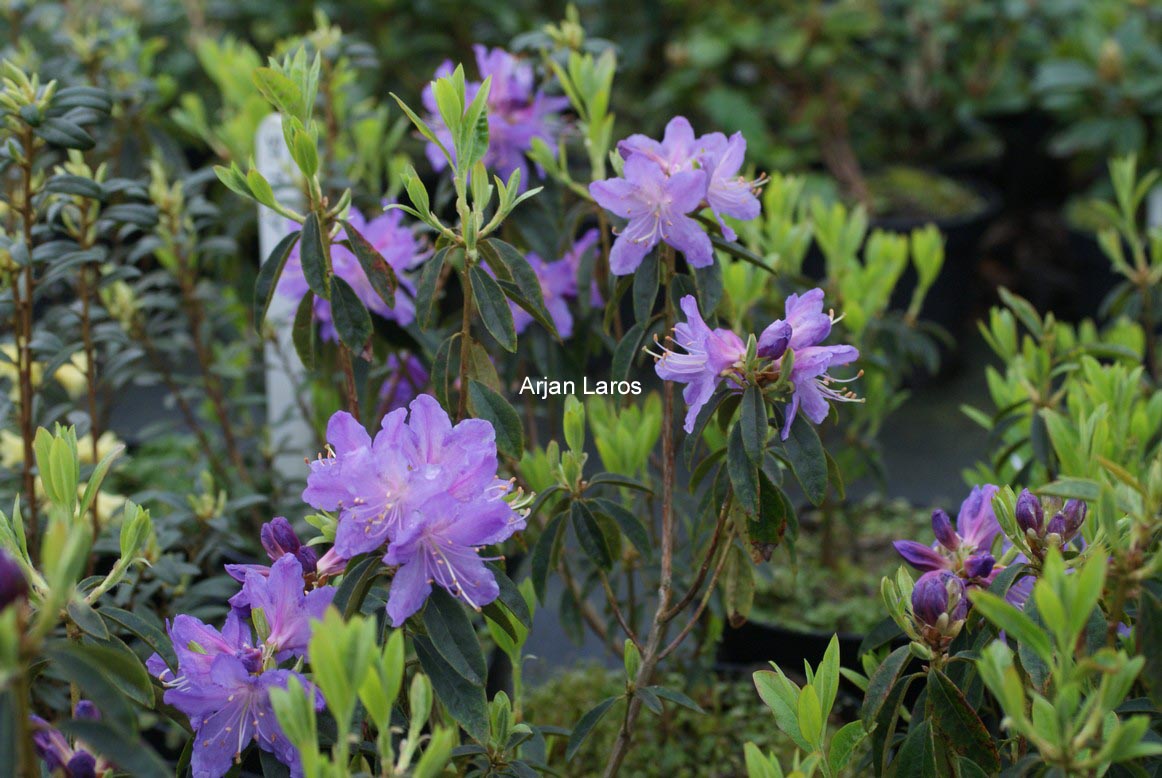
61	758
811	382
278	540
965	552
678	150
576	255
939	593
656	206
727	192
222	686
288	610
708	355
440	545
406	378
398	244
517	113
427	490
13	584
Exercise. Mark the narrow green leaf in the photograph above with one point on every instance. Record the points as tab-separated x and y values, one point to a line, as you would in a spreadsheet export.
493	307
490	406
378	272
314	259
268	275
586	725
352	321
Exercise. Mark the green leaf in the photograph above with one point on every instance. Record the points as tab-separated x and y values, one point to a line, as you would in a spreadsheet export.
543	554
66	184
782	697
754	424
466	702
616	479
65	134
268	275
881	684
426	288
586	725
303	332
86	669
87	619
645	287
1016	624
453	636
744	474
1148	632
150	634
917	757
493	307
957	726
490	406
808	461
593	541
677	698
356	583
313	256
525	289
810	720
630	524
628	349
281	92
379	273
352	321
842	745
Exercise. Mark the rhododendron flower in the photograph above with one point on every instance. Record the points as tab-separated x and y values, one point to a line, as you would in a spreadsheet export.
939	593
518	112
420	482
655	205
278	539
727	192
678	150
400	247
288	610
61	757
812	383
222	686
965	551
703	362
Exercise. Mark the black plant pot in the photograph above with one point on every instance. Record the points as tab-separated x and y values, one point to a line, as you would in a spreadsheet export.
1028	174
1094	278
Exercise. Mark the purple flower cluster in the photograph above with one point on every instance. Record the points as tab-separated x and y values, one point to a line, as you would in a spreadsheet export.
398	244
964	551
223	678
425	489
61	758
663	182
222	683
711	356
518	112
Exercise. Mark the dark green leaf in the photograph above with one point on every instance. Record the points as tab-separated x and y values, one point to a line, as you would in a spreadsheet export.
63	133
356	583
426	288
586	725
352	321
303	331
87	619
527	293
379	273
63	183
90	97
453	637
589	532
268	276
917	757
616	479
543	553
313	255
1148	632
956	725
766	527
754	424
645	287
677	698
151	634
808	462
742	471
466	702
881	684
85	669
490	406
630	524
493	307
628	349
510	596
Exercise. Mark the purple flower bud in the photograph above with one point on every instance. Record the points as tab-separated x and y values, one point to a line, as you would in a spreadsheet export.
1030	514
934	593
279	538
308	557
13	584
82	765
85	710
774	340
942	528
1074	513
1056	526
979	565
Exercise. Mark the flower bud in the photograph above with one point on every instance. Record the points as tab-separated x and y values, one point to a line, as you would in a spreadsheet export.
979	565
1074	513
13	584
1056	526
774	339
942	528
86	710
1030	514
939	593
279	538
308	557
